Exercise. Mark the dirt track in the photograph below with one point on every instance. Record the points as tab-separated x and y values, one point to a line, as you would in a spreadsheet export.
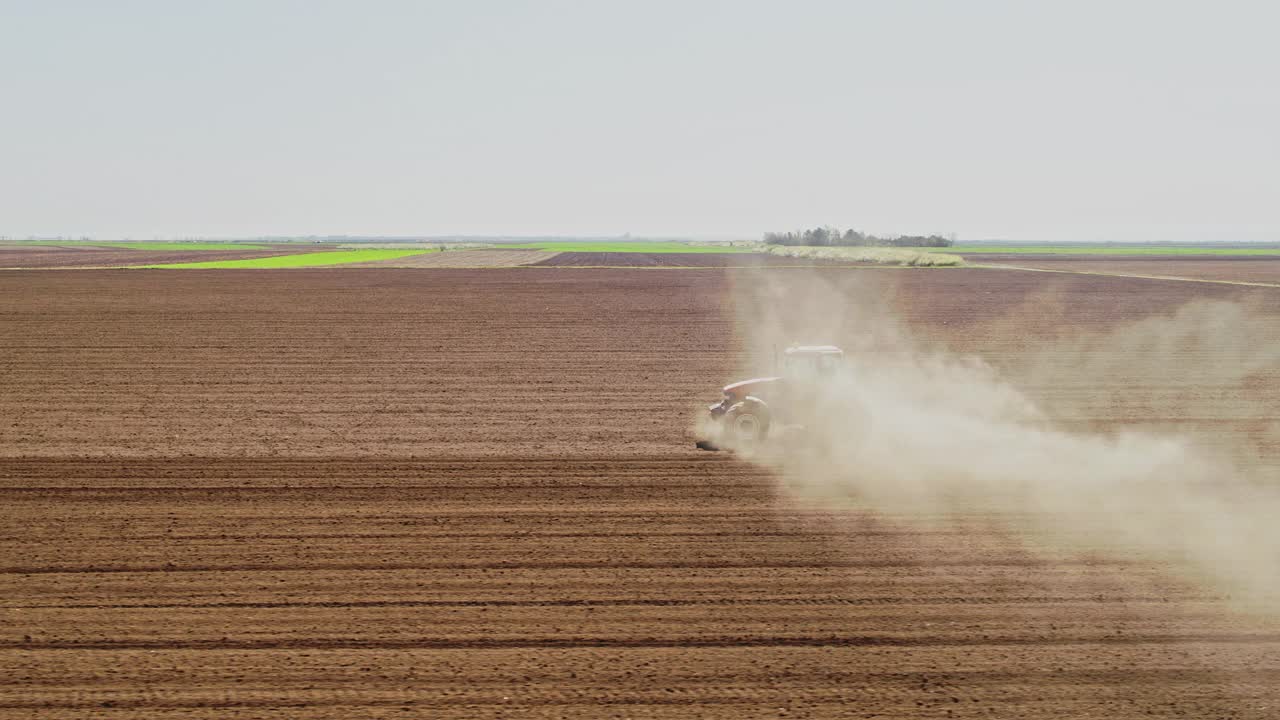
391	493
1231	269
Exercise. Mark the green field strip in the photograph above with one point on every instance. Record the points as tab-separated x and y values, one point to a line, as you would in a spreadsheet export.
300	260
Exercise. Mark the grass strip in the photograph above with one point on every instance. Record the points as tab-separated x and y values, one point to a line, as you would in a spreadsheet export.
300	260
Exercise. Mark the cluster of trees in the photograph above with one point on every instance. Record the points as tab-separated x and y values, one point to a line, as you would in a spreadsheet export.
832	237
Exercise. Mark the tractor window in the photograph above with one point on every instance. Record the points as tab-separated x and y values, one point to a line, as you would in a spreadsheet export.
799	365
828	364
812	365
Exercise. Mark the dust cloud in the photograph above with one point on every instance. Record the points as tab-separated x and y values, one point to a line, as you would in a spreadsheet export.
911	428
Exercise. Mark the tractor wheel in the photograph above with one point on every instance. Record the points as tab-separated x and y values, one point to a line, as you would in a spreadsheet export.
746	426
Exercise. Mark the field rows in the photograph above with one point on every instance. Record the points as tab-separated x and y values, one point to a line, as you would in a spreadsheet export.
473	493
458	589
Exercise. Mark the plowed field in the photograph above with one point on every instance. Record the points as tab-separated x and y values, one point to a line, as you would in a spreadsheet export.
54	256
472	493
467	259
640	259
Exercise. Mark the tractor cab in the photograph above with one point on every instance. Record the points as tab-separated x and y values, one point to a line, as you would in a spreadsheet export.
810	362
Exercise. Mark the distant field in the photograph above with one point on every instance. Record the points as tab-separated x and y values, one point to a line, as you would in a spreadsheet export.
640	246
1258	269
300	260
184	246
158	246
468	259
1102	250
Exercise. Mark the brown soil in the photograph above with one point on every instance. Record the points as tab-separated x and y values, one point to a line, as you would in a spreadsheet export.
639	259
1232	269
472	493
56	256
466	259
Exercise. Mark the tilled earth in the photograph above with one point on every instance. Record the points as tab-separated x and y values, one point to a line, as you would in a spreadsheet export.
642	259
472	493
472	258
80	256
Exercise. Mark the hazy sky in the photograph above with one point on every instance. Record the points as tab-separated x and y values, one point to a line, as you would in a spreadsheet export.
1123	120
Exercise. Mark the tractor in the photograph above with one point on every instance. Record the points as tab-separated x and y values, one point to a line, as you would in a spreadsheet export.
751	409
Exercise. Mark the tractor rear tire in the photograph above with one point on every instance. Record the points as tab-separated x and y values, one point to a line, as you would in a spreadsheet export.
746	427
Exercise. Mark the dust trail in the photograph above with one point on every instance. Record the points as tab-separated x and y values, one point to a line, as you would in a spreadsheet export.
910	428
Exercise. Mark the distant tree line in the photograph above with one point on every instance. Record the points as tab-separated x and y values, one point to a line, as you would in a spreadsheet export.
832	237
